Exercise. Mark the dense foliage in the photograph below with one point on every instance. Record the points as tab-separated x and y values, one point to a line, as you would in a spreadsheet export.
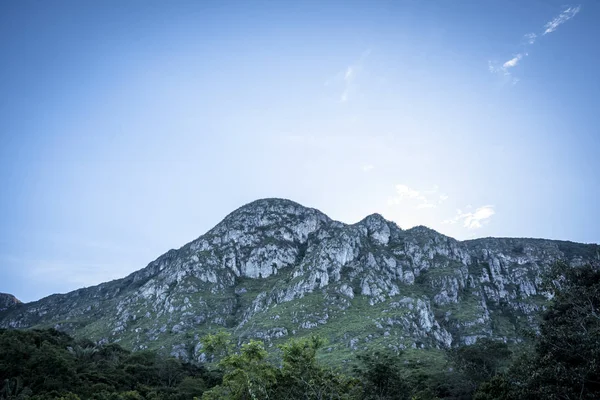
563	363
248	374
48	364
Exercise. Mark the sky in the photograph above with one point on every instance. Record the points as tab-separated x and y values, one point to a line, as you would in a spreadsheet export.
130	128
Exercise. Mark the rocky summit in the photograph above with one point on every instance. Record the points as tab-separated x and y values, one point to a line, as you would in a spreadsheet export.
8	301
273	269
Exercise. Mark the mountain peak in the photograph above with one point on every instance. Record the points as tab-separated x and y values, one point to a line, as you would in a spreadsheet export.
8	301
374	217
269	202
378	228
274	268
269	212
272	205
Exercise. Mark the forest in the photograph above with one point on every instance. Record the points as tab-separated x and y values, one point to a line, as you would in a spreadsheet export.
559	361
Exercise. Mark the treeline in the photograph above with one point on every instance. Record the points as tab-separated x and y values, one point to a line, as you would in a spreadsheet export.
48	364
562	362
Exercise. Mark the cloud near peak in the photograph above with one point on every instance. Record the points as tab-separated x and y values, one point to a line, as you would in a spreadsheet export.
424	198
473	220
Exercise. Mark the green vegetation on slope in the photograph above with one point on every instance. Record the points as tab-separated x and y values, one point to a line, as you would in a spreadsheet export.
47	364
562	362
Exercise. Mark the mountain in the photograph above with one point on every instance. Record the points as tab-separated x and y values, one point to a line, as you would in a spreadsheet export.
8	301
274	269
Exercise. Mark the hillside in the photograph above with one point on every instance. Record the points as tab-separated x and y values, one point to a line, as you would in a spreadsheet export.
273	269
8	301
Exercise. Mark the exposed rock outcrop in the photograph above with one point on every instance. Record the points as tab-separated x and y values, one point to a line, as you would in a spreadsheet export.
273	268
8	301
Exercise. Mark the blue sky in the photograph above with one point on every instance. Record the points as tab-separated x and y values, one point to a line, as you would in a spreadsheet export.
129	128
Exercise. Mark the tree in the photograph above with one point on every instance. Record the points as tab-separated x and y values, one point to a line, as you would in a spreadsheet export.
566	361
247	375
46	364
382	375
191	387
482	360
217	345
302	377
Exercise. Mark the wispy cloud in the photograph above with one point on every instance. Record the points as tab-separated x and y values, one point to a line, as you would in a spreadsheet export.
563	17
530	38
504	69
433	202
404	191
419	199
367	167
513	61
348	76
473	220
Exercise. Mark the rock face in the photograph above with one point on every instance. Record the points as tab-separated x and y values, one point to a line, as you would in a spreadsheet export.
274	269
8	301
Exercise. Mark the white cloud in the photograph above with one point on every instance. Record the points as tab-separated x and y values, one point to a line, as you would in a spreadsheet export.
503	70
404	192
350	71
367	167
563	17
434	190
347	78
481	215
512	62
348	82
473	220
530	38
